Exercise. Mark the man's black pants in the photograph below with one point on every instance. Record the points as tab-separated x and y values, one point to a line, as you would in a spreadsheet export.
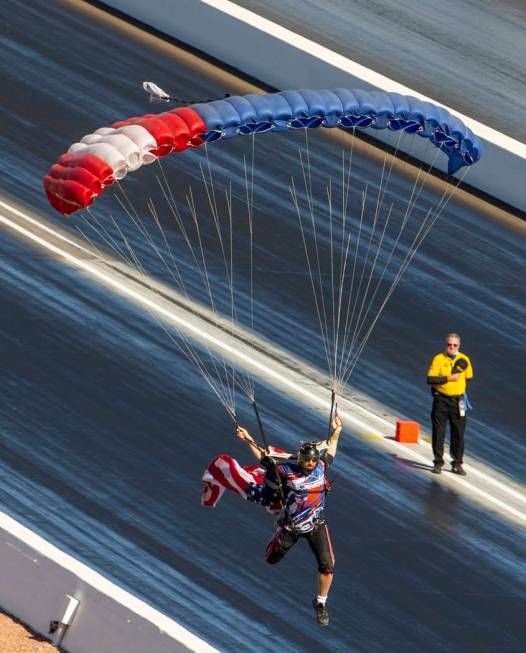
318	539
444	411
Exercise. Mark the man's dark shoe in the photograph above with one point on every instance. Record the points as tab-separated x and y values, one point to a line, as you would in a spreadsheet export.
458	469
322	616
437	468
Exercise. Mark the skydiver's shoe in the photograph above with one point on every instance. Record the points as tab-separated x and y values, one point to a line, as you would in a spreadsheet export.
322	616
437	468
458	469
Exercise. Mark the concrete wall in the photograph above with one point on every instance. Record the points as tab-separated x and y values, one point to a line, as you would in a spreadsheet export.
282	59
35	578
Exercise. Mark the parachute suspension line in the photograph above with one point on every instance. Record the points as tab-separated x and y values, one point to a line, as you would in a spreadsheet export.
228	198
350	294
206	280
182	344
331	414
180	224
295	200
344	256
134	218
382	189
273	461
344	251
249	193
244	380
260	427
307	180
249	187
220	387
228	377
379	205
333	295
419	238
174	268
230	393
410	206
363	269
141	228
360	325
153	211
359	321
187	349
212	200
103	233
179	280
186	346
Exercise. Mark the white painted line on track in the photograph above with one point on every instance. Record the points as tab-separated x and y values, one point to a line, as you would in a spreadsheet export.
357	70
250	361
169	315
472	488
45	228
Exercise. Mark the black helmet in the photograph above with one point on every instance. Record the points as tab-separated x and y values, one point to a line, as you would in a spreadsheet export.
308	451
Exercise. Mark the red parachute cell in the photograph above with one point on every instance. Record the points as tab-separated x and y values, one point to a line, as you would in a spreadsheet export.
194	122
161	132
91	163
73	195
57	203
76	179
81	175
180	131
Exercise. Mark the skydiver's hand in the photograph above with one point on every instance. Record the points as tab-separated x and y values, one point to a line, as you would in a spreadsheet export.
243	434
454	377
337	422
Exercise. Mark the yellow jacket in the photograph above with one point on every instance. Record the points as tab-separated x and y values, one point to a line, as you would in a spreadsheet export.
442	367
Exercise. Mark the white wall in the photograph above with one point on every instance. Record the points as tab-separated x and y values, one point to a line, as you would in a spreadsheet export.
282	59
35	578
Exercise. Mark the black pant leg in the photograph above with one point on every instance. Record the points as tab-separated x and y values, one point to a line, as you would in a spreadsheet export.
320	544
439	421
278	546
457	427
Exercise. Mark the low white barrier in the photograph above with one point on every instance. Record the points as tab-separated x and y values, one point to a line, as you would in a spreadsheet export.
282	59
36	579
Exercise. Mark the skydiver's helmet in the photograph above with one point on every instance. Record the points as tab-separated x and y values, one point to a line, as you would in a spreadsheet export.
308	451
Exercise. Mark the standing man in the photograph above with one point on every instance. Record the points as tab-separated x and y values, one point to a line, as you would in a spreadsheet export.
448	375
302	484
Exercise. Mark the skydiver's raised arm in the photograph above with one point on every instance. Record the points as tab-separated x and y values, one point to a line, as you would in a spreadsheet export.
257	450
336	429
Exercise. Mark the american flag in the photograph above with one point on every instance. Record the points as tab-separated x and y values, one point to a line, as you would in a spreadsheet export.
247	481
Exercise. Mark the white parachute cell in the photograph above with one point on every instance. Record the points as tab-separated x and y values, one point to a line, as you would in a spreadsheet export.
129	150
139	135
108	153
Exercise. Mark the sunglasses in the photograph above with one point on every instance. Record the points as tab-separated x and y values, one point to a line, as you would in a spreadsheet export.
452	344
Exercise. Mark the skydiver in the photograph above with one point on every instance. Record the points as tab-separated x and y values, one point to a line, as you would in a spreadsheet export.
300	480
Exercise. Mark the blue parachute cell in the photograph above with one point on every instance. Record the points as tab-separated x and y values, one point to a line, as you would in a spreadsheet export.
301	109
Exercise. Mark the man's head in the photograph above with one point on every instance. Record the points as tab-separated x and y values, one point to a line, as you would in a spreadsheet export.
308	456
452	344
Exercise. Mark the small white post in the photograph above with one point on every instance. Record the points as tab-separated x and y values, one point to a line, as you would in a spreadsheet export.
59	628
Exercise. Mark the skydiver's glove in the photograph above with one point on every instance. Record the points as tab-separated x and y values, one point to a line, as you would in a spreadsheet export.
459	366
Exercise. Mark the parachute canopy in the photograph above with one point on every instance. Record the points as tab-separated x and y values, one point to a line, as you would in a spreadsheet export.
108	154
